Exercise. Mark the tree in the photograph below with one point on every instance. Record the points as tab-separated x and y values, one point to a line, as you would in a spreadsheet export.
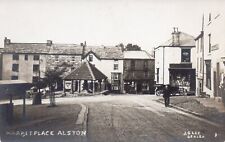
52	78
131	47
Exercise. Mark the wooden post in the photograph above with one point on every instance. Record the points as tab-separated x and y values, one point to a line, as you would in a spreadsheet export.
79	86
72	86
100	83
93	90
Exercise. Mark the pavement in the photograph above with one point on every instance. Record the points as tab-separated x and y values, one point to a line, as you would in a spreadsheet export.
207	108
64	122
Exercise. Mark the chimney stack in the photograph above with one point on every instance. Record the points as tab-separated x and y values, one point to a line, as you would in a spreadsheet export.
6	41
49	43
175	37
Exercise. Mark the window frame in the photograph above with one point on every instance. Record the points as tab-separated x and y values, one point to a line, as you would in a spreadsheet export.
15	67
90	58
36	57
15	57
183	59
38	68
26	57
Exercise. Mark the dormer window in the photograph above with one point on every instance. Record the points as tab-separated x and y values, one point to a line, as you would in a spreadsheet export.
90	58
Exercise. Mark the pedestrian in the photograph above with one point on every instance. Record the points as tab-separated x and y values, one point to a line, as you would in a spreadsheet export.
166	95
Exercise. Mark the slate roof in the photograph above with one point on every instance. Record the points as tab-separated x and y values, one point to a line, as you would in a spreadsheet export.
104	52
137	55
85	72
26	48
185	40
42	48
66	49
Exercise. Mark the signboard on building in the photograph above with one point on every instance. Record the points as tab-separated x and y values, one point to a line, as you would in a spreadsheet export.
68	85
215	47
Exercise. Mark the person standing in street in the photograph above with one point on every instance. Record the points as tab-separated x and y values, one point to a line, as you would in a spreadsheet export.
166	95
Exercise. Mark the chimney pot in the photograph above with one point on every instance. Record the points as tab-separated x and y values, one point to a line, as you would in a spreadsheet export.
49	42
7	41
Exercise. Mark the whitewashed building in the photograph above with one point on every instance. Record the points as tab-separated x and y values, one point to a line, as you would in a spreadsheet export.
175	61
109	60
214	55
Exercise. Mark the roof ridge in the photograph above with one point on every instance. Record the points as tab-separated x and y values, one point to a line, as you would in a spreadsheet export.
89	68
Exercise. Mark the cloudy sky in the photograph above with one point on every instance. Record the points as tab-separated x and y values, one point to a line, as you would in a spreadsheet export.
102	22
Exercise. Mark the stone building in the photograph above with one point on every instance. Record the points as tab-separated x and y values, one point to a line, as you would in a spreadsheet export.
138	72
29	61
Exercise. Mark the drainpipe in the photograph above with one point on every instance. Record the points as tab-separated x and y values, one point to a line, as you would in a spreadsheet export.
203	62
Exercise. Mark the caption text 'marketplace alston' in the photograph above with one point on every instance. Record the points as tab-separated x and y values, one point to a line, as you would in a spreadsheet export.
47	133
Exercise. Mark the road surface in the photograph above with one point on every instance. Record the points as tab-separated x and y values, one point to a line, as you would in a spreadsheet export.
128	118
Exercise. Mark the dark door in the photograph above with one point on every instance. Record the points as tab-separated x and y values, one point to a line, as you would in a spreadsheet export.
215	84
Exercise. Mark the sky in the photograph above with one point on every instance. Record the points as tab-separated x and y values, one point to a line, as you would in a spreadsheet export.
147	23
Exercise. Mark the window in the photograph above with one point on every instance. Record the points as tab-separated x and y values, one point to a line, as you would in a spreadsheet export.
56	58
146	74
116	66
73	58
14	77
15	67
26	57
145	64
201	65
115	76
185	55
15	56
35	68
90	58
208	74
210	46
36	57
132	65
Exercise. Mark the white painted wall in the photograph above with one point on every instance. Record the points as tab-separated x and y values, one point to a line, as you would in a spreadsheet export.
25	67
164	56
217	29
106	66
